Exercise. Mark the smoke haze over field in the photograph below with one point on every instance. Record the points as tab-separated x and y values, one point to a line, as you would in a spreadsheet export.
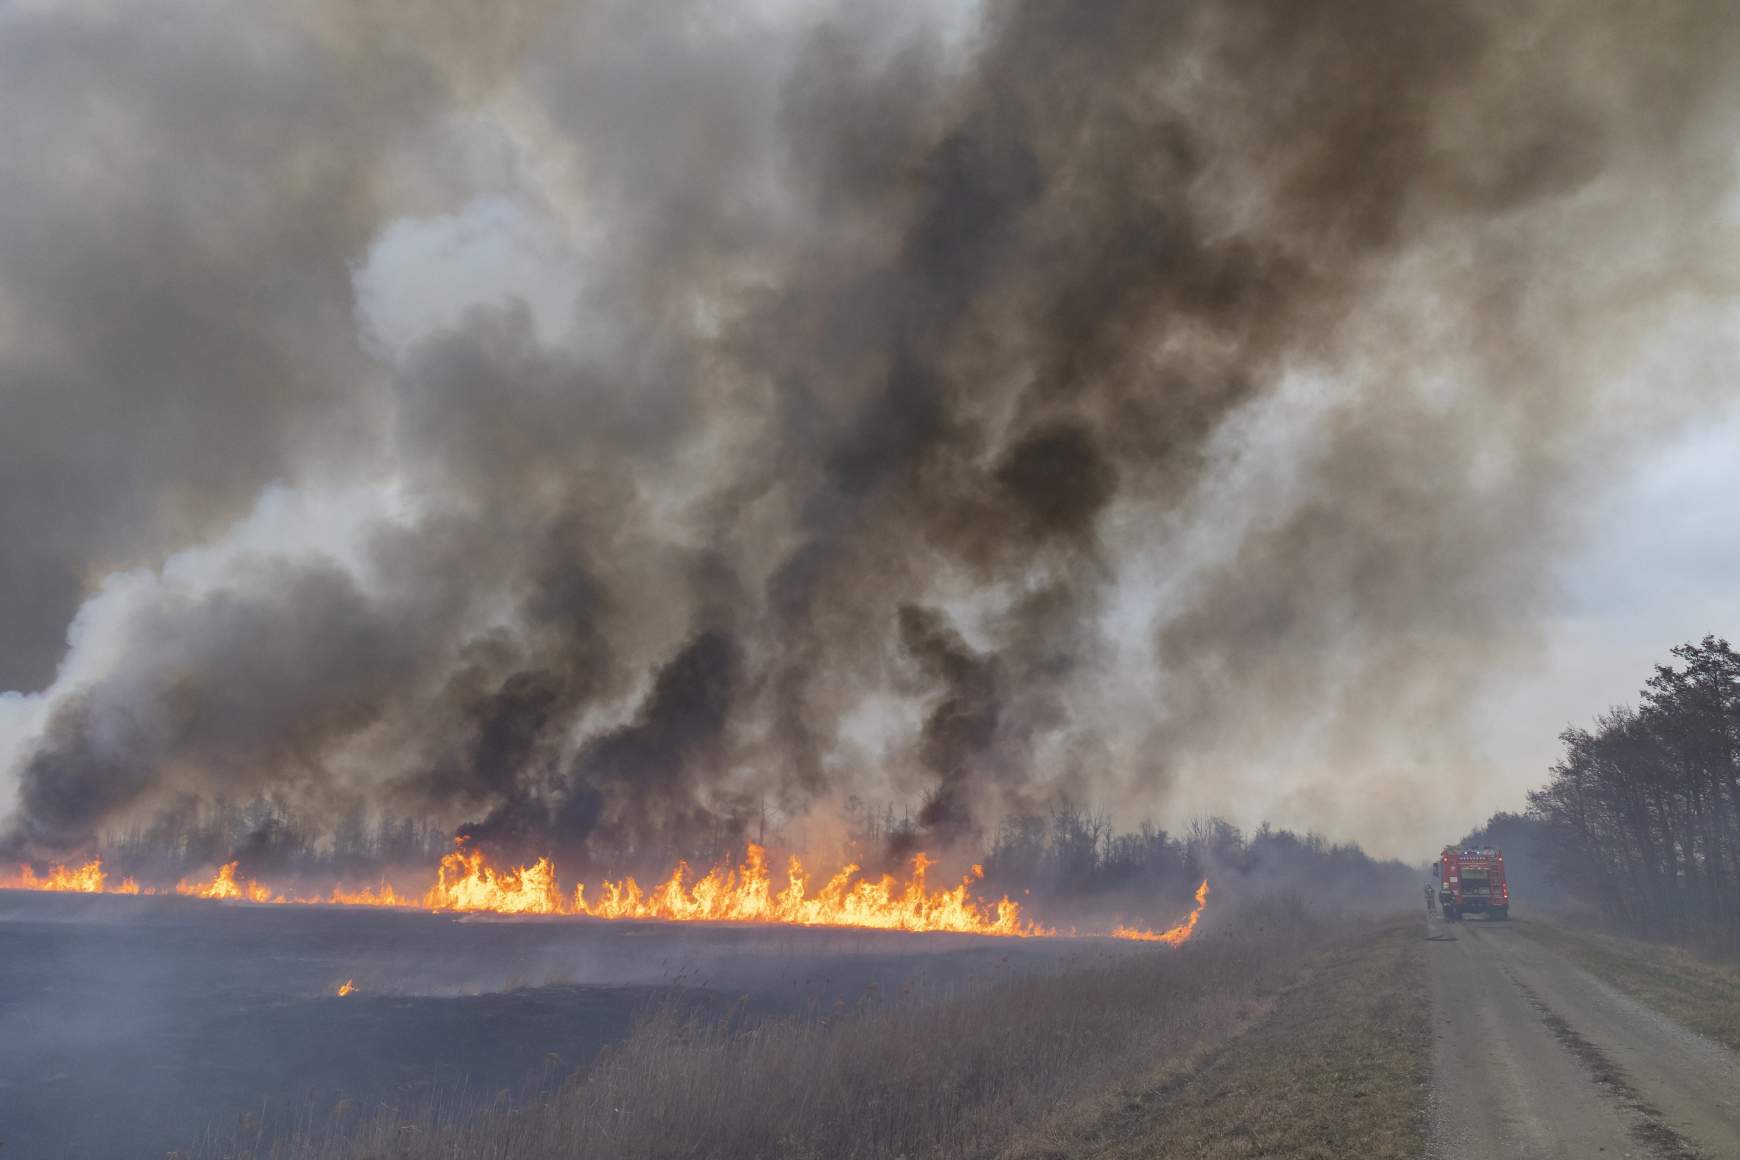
606	425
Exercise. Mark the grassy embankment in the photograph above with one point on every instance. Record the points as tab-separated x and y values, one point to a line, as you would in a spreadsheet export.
1338	1068
1282	1036
1702	995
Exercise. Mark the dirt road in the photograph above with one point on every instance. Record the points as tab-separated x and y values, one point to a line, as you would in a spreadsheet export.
1536	1058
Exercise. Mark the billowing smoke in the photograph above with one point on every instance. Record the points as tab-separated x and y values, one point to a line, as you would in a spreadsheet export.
1172	406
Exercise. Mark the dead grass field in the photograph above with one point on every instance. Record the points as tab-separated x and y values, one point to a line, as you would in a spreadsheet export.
1336	1067
981	1075
1700	994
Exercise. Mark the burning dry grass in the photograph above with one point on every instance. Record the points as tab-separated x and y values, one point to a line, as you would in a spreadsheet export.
466	880
86	879
956	1077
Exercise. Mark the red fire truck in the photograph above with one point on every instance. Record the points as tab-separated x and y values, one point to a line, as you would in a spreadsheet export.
1472	882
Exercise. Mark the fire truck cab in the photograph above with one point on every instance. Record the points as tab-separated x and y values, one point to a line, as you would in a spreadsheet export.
1472	882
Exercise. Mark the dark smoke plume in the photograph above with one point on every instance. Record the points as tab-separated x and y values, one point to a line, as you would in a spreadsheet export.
1106	401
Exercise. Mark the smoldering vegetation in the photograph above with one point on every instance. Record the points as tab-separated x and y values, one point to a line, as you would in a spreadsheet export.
148	1018
129	1025
1093	402
969	1073
1072	869
149	1024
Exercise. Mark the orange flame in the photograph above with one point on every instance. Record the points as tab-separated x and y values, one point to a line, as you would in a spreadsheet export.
225	886
347	987
466	881
87	879
382	895
1176	935
747	895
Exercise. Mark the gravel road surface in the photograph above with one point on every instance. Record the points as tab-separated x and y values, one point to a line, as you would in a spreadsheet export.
1537	1058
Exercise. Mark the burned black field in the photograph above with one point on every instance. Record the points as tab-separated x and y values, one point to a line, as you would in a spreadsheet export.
129	1025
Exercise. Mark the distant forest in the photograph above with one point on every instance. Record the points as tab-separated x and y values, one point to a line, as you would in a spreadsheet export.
1640	822
1076	859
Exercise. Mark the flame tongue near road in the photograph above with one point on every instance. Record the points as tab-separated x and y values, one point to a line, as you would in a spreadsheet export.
1178	934
466	881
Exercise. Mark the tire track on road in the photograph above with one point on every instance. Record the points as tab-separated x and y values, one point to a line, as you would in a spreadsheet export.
1692	1081
1534	1059
1650	1127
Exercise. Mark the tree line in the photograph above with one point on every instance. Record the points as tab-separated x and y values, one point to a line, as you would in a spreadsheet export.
1640	819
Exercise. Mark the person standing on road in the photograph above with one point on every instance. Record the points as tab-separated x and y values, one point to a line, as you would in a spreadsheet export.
1431	900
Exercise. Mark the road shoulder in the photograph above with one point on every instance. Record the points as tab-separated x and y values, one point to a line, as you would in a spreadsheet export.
1682	1087
1701	995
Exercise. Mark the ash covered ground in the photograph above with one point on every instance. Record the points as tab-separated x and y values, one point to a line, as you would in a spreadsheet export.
128	1025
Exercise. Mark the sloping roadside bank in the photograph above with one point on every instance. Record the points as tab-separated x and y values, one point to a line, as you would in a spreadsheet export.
1336	1064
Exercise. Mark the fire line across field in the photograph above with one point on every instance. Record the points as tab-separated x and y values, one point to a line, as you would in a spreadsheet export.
466	881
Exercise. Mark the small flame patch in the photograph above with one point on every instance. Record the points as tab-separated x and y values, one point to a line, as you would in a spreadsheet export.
1176	935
